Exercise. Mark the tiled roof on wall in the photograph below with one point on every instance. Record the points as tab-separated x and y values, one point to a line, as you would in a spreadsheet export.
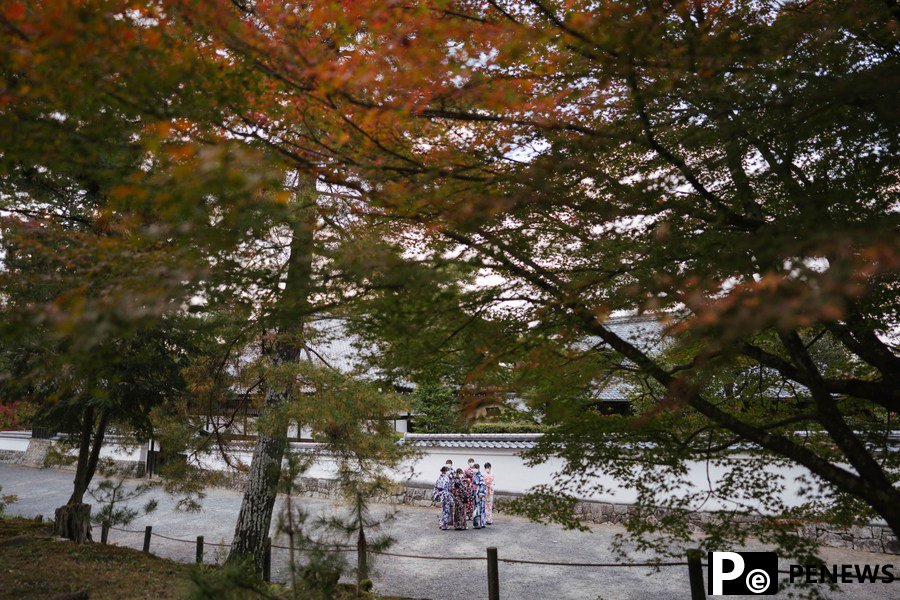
507	441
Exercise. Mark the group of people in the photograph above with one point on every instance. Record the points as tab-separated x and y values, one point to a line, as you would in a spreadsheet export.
465	495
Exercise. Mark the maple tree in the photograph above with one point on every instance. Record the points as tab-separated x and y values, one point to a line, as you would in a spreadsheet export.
115	190
728	165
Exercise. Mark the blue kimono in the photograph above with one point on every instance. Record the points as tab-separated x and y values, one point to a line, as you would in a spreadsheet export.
442	493
480	496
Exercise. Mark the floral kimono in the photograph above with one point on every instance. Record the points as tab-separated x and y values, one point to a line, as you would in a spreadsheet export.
460	494
442	493
489	499
470	492
480	494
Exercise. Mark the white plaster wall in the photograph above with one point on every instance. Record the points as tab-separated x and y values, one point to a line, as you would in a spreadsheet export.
17	444
511	473
116	452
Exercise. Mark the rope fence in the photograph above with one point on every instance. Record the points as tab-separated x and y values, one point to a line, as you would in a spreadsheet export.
693	562
426	557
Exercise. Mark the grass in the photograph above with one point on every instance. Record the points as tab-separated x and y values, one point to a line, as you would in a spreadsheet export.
34	564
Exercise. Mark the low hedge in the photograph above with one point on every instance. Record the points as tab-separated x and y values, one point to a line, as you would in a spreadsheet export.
512	427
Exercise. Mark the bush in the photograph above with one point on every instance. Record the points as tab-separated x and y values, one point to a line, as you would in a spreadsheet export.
6	501
230	582
510	427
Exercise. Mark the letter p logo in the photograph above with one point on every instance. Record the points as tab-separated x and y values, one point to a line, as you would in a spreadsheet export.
733	573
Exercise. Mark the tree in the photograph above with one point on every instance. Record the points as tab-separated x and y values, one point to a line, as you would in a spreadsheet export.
115	191
730	168
436	409
287	319
113	495
351	421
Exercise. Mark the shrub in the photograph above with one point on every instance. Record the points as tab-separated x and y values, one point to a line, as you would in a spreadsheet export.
6	501
17	415
510	427
113	495
436	409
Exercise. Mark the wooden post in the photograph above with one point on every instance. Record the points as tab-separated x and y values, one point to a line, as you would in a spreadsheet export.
151	459
199	549
695	573
104	532
267	561
147	533
493	574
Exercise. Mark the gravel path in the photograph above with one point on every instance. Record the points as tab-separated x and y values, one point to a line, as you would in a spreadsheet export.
40	491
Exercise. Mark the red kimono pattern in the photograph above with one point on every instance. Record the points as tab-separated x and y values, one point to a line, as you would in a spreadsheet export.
470	492
460	494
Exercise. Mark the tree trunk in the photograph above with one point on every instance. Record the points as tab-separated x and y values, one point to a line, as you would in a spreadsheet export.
84	455
94	458
73	520
362	558
255	517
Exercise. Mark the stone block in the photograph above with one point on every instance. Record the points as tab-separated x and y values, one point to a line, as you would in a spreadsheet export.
890	544
808	531
868	545
835	540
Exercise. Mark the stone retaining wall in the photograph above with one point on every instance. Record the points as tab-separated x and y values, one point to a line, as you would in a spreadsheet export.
10	456
36	456
33	456
871	538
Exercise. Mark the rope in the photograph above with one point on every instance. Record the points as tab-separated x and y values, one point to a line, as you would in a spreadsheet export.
430	557
564	564
171	539
339	548
126	530
423	557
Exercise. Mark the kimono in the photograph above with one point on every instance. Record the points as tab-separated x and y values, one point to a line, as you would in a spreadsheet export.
480	494
470	503
442	492
489	499
460	494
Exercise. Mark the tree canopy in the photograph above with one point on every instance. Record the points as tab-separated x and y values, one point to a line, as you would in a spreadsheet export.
528	168
730	167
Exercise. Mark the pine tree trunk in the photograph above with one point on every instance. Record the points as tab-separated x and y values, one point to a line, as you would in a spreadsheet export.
362	559
255	517
73	521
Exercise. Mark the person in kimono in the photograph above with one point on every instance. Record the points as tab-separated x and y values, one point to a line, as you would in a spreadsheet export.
489	497
442	492
480	493
459	493
467	476
450	470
